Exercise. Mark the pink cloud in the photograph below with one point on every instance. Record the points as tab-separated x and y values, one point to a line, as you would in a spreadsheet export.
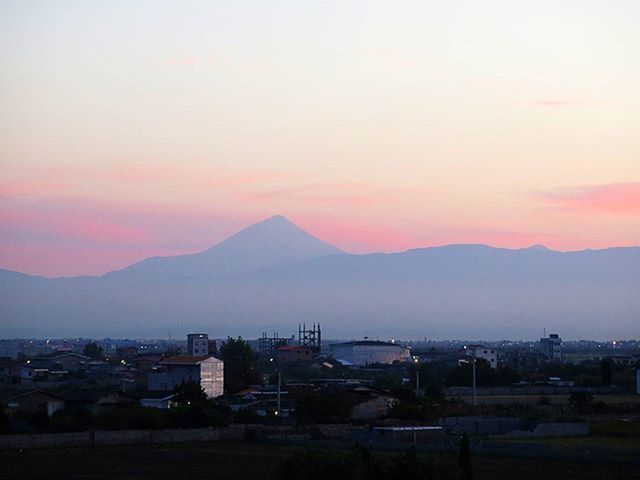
616	198
67	224
143	173
20	188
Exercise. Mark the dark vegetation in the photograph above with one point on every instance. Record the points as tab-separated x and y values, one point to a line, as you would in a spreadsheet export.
361	464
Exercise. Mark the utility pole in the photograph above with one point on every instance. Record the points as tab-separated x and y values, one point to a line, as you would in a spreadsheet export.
417	380
474	377
278	404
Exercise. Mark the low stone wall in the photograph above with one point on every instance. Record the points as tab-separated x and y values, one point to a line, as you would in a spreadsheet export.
517	391
120	437
547	430
482	425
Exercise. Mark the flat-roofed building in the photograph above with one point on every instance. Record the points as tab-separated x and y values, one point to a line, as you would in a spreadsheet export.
486	353
206	370
197	344
364	352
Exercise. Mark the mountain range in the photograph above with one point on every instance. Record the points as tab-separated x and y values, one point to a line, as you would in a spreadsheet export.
272	275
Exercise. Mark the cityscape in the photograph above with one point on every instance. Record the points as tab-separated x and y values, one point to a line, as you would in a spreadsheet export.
319	240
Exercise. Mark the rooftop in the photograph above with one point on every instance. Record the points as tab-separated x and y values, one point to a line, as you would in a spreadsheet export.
185	359
369	343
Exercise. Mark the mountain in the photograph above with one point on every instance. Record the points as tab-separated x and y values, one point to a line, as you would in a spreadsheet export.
272	275
272	242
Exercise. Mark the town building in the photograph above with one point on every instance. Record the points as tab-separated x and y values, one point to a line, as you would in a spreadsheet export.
34	401
364	352
197	344
486	353
161	400
551	347
68	361
206	370
126	354
95	401
9	371
293	354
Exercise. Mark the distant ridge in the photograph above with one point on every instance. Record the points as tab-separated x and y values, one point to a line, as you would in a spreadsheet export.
273	241
273	274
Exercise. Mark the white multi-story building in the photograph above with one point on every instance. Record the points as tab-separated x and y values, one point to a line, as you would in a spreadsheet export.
197	344
551	347
206	370
487	353
363	352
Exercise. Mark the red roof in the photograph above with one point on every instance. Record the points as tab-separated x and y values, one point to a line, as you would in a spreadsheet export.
291	348
184	359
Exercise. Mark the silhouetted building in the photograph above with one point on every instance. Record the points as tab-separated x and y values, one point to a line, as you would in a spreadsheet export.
363	352
197	344
293	353
551	347
206	370
487	353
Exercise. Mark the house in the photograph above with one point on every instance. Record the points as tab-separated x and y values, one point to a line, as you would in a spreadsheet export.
486	353
9	371
242	402
161	400
97	400
34	401
206	370
30	372
293	354
68	361
370	403
126	355
147	362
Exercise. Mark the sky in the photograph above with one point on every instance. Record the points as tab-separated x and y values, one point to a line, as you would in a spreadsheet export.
131	129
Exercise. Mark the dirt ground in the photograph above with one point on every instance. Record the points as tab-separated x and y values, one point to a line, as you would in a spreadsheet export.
217	461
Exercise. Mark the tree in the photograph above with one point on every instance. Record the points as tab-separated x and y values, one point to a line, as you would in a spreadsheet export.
173	351
581	401
606	366
189	393
464	458
240	364
93	350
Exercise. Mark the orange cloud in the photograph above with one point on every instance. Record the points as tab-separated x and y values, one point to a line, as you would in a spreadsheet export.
617	198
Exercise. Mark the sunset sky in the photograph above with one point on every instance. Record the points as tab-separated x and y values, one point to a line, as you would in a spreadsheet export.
130	129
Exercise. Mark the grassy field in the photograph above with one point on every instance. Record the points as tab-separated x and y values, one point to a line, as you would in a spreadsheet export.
238	461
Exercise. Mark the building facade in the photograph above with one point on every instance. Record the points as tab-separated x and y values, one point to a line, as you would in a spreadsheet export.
206	370
486	353
364	352
197	344
293	354
551	347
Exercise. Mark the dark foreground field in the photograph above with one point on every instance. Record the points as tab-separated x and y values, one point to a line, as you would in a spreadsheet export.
245	461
